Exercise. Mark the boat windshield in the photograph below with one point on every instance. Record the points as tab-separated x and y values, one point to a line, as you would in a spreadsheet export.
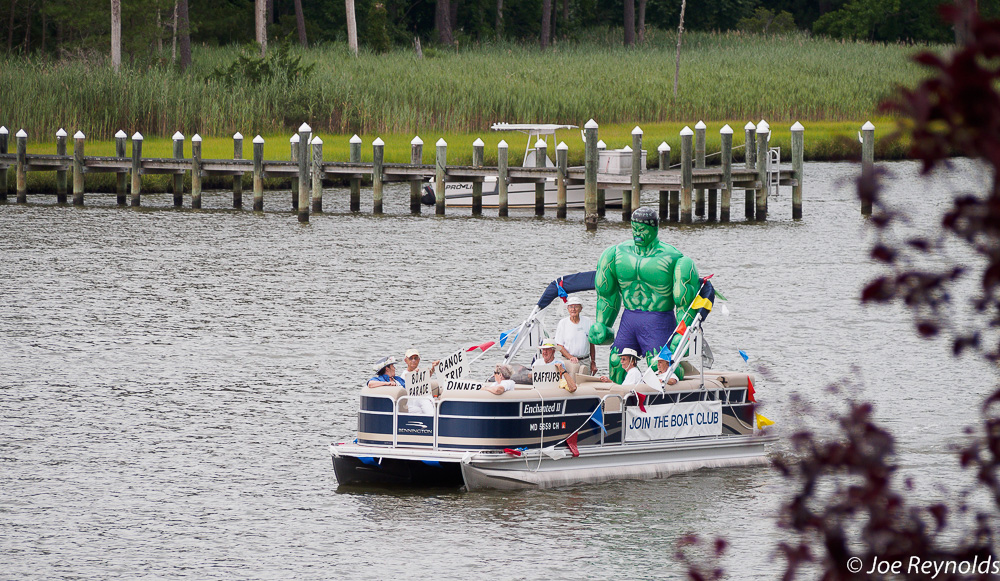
534	131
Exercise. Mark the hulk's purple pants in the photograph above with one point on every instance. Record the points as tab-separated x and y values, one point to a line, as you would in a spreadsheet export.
644	331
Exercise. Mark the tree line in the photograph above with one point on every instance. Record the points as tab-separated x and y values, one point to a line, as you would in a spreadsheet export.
165	28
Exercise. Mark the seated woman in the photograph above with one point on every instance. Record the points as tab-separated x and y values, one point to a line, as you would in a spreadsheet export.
501	380
385	373
662	365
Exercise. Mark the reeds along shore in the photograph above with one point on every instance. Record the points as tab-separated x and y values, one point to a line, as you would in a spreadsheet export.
728	76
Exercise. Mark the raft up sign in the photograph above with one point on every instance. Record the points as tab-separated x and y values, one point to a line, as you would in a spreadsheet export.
670	421
545	376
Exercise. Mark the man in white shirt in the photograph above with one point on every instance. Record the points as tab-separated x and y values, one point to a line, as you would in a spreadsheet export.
548	351
571	336
633	376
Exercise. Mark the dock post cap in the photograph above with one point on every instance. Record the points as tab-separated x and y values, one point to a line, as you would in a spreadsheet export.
750	126
355	139
294	138
590	124
687	131
562	146
763	127
502	144
700	125
663	147
61	132
178	136
3	130
726	130
378	142
798	127
317	141
441	143
237	135
79	135
137	136
196	137
305	127
637	131
121	135
20	133
540	144
258	139
478	143
627	149
868	126
416	141
601	144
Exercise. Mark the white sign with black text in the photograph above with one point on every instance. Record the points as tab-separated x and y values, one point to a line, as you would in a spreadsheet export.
452	366
456	385
545	376
418	382
670	421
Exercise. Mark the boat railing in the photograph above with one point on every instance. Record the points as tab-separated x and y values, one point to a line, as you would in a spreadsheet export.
621	408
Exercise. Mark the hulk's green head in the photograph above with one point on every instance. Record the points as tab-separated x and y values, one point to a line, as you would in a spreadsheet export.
644	226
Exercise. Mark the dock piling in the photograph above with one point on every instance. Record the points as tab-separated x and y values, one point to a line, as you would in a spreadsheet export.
663	161
440	162
136	169
798	152
867	161
541	154
750	162
763	134
636	167
121	177
590	176
726	135
502	178
477	186
258	174
699	163
303	181
196	171
61	174
178	178
22	172
355	181
562	165
317	175
378	152
238	177
601	195
687	151
3	172
293	143
627	194
416	184
78	144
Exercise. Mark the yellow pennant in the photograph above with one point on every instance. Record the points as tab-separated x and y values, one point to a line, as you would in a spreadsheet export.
701	303
762	421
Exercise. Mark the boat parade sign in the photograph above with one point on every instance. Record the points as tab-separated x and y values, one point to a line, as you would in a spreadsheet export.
457	385
452	366
670	421
545	376
418	382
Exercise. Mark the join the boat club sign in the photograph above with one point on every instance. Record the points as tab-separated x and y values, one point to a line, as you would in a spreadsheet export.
680	420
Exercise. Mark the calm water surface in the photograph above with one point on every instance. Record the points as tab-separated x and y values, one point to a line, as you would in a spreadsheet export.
170	382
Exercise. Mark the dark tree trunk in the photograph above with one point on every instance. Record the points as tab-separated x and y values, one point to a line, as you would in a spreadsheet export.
27	27
546	22
184	33
555	14
453	15
270	11
629	22
442	22
300	24
642	21
499	18
10	26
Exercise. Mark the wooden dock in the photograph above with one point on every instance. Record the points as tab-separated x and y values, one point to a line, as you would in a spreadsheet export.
682	190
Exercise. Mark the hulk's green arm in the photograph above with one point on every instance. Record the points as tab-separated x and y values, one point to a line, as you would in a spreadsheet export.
686	287
609	298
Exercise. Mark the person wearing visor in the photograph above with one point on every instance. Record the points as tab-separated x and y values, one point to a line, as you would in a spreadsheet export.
571	337
549	358
385	373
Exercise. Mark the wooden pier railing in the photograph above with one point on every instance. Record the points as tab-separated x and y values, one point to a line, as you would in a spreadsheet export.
681	190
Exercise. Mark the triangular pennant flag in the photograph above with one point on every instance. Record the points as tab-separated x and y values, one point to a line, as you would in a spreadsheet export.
482	347
571	444
667	354
744	355
642	401
507	335
598	418
512	451
681	328
763	422
650	379
750	390
560	290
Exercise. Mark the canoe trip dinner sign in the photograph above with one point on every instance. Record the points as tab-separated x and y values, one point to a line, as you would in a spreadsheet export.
545	376
452	366
669	421
418	382
457	385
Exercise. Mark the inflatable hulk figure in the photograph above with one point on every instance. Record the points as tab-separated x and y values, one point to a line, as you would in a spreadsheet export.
650	278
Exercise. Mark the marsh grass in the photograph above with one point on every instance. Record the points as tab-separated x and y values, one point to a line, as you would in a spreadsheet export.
723	76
